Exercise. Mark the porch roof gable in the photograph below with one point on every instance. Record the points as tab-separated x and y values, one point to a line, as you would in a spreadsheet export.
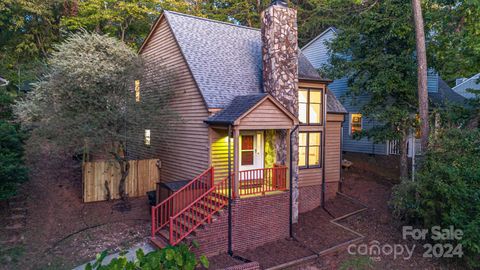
241	106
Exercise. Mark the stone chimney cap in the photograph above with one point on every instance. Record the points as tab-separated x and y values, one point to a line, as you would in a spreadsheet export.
282	3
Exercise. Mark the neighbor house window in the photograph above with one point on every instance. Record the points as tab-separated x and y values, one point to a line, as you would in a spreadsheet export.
310	106
355	123
147	137
137	90
309	149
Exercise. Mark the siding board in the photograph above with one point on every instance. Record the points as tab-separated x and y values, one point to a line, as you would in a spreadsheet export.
183	146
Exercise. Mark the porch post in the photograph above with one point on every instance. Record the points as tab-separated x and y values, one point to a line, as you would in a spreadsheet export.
236	183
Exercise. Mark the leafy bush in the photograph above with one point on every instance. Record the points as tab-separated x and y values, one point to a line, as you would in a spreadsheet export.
179	258
12	169
447	190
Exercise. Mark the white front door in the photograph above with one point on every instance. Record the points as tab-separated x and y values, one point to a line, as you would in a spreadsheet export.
251	150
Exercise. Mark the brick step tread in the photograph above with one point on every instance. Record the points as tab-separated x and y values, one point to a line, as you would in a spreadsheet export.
180	230
199	217
165	233
217	198
159	242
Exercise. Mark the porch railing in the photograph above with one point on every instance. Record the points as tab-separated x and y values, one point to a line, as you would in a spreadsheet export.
198	212
260	181
174	204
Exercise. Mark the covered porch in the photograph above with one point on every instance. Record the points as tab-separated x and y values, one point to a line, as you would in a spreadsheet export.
250	139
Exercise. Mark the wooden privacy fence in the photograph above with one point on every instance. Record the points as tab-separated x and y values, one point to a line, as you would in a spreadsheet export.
142	177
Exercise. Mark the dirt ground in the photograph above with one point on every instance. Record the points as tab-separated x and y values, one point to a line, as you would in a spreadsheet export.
369	181
48	227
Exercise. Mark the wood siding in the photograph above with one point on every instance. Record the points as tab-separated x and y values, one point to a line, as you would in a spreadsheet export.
142	178
311	177
219	153
183	147
266	116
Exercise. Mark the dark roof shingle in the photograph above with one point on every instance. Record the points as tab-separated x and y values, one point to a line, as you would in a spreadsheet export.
445	95
236	108
226	59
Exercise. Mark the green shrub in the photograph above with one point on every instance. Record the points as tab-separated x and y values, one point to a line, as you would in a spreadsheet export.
179	258
12	170
447	189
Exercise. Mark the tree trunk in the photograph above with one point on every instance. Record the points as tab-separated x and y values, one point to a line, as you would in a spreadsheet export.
421	72
404	156
124	170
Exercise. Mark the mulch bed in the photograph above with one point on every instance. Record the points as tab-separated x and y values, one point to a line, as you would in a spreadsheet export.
275	253
223	261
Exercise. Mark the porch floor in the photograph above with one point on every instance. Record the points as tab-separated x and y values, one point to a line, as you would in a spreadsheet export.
245	192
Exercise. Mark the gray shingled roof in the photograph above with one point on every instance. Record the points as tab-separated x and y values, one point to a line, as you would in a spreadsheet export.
445	95
225	59
333	105
238	106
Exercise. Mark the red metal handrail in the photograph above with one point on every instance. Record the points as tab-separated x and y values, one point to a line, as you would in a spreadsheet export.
198	212
175	203
199	200
260	181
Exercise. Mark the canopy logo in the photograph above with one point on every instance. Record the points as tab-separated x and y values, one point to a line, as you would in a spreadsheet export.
405	251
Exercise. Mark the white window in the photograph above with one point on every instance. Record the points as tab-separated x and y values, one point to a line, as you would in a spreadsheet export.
137	90
310	106
147	137
355	123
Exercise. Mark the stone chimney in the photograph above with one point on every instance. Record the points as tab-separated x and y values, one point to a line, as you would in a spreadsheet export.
280	53
280	77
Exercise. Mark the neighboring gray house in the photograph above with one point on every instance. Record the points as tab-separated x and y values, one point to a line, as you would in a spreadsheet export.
463	84
316	52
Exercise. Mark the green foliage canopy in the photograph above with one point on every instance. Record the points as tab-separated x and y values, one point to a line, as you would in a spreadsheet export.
375	51
170	258
447	189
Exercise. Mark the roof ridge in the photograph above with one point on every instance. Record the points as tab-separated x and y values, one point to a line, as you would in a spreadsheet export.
467	80
332	28
210	20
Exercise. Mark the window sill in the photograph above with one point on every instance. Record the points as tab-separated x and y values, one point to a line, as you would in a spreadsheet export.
307	168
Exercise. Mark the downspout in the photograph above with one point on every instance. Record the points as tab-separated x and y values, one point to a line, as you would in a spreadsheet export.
324	151
291	183
341	157
230	250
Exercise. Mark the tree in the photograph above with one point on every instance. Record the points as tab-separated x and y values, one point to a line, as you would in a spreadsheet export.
28	30
454	42
421	54
87	95
12	170
127	20
445	192
375	51
130	20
